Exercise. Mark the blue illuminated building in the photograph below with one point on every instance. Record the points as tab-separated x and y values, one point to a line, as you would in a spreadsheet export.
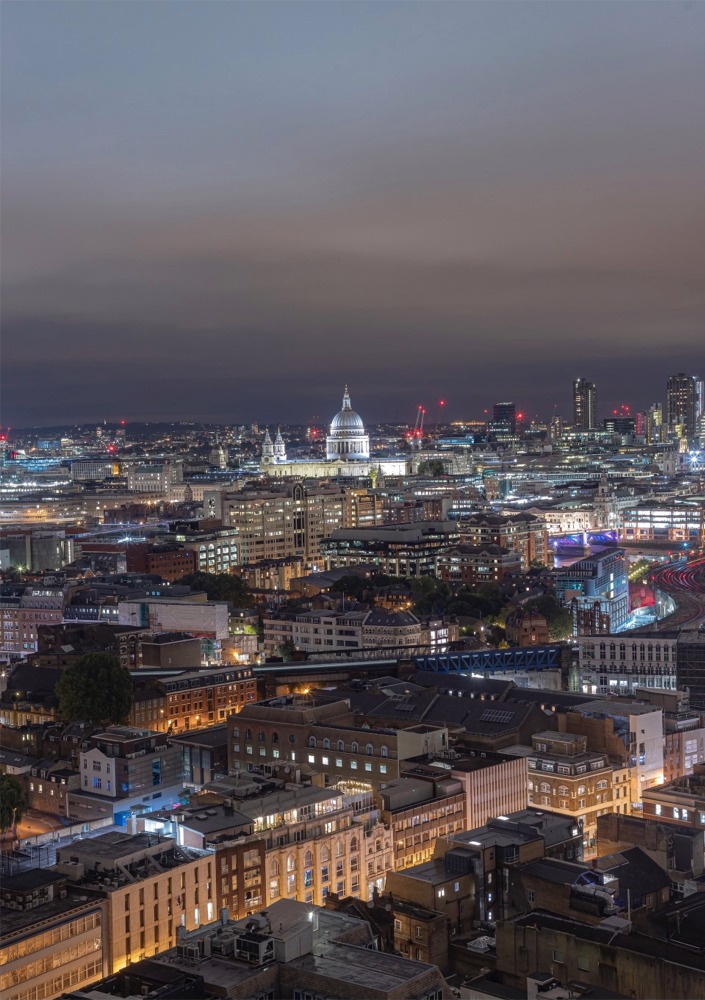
600	578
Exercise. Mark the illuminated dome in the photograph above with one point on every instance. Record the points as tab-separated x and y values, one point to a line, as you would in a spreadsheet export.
347	440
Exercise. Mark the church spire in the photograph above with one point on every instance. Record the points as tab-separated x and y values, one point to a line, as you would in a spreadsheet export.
346	399
267	448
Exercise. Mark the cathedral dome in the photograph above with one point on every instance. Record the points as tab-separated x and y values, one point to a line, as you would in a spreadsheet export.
347	438
347	420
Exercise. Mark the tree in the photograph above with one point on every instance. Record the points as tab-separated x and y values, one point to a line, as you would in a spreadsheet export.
351	586
286	649
220	587
558	617
13	803
432	467
96	689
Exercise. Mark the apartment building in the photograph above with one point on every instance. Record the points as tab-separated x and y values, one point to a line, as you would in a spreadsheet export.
618	664
681	802
523	533
493	783
194	699
291	519
208	619
47	786
679	520
567	778
631	733
408	550
123	770
475	564
493	852
419	811
22	612
326	740
295	950
338	631
150	885
212	551
53	938
274	840
156	478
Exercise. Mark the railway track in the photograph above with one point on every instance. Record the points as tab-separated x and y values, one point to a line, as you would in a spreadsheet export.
685	583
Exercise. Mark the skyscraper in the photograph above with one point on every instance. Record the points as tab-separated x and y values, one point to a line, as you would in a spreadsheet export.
584	404
505	413
681	402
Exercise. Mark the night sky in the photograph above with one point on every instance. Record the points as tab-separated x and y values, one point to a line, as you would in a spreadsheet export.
224	211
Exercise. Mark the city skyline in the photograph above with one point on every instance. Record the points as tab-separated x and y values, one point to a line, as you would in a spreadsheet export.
226	217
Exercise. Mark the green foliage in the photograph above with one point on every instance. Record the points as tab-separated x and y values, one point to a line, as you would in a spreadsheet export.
432	467
13	802
220	587
286	649
351	586
558	617
95	689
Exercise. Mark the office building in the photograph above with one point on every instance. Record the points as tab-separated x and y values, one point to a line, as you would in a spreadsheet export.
619	664
681	403
408	550
151	887
505	417
53	938
584	405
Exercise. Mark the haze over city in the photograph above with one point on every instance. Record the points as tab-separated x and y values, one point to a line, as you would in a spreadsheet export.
225	211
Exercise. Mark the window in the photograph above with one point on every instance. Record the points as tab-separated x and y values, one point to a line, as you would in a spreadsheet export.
384	751
530	895
341	746
326	744
312	741
354	747
291	863
658	808
369	750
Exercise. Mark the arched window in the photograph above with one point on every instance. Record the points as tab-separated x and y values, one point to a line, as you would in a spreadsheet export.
339	850
275	737
353	844
308	859
341	745
369	750
261	736
312	741
248	734
355	747
235	732
291	863
384	751
326	744
563	790
378	845
601	785
325	854
545	787
274	867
